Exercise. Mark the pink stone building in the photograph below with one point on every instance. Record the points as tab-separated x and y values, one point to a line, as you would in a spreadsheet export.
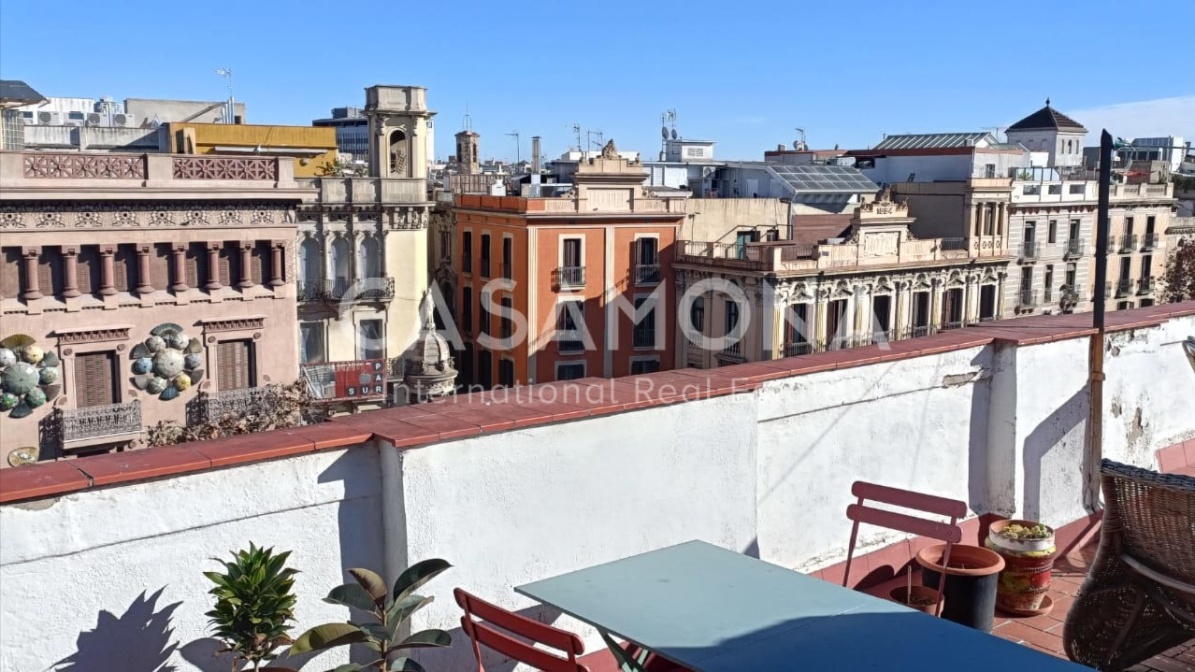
129	284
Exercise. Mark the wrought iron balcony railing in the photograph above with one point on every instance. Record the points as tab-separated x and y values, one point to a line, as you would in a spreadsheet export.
1128	242
1149	242
86	425
953	324
1145	285
341	289
1124	287
1047	295
734	350
1029	249
1028	298
569	277
1074	247
794	349
647	274
211	407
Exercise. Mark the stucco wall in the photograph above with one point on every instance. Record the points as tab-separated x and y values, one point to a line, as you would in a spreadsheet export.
767	472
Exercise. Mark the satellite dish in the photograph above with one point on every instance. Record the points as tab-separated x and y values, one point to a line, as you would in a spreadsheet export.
796	144
674	134
664	132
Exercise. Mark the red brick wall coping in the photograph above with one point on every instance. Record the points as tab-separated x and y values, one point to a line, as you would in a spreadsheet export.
499	410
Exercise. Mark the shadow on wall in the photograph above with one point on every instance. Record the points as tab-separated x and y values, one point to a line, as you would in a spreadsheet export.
978	469
140	640
1050	433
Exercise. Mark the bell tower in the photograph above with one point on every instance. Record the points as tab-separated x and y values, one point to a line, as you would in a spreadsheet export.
400	131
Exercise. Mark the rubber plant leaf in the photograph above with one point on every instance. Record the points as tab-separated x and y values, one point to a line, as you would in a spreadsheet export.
416	575
328	636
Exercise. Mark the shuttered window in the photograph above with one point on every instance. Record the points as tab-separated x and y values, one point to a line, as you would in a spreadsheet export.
196	265
49	271
234	363
259	260
95	379
126	268
11	273
89	269
160	262
229	264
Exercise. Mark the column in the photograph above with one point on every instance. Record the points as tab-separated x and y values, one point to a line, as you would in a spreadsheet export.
70	272
276	248
213	266
32	289
107	271
144	286
899	308
1001	211
935	305
970	291
246	280
978	219
179	252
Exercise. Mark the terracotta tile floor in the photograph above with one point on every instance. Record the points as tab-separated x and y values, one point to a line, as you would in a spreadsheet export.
1044	633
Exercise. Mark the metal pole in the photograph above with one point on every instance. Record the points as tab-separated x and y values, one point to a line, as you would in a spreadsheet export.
1096	374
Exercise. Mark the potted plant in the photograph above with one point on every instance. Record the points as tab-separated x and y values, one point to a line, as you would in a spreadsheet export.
1028	551
970	582
389	610
254	605
921	598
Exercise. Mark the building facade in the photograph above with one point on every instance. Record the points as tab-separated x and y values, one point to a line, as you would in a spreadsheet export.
132	282
579	268
363	255
880	284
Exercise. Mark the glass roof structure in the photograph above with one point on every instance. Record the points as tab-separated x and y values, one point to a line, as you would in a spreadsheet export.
822	179
936	140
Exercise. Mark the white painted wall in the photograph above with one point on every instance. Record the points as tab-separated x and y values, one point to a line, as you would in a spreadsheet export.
766	472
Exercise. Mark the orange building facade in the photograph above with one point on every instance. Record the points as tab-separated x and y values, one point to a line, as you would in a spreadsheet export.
550	288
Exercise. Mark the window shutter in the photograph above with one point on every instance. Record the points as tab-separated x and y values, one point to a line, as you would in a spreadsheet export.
95	379
259	259
196	265
49	271
126	268
234	370
89	269
10	273
160	261
227	262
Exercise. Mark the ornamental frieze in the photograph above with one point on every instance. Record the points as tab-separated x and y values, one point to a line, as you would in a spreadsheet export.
132	216
94	335
234	324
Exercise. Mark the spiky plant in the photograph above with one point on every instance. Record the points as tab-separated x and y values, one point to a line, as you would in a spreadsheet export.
255	604
390	610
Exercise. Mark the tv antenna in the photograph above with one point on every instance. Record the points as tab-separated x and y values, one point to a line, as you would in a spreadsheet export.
589	135
577	132
800	144
230	109
518	150
667	124
467	122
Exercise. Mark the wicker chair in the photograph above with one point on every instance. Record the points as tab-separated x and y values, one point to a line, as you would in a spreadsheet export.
1139	597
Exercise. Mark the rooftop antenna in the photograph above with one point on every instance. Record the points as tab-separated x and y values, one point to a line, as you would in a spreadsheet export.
518	150
577	132
801	140
667	121
230	109
589	135
467	121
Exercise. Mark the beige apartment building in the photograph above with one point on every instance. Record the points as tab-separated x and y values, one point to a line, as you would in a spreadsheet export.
363	257
130	283
879	283
1140	217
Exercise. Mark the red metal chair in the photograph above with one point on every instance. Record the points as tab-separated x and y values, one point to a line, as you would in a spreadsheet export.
951	533
489	635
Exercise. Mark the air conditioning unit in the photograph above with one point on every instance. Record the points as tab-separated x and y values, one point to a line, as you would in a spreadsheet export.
94	119
49	118
124	119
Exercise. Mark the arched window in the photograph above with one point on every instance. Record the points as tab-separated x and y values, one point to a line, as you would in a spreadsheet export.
398	152
369	258
311	261
340	265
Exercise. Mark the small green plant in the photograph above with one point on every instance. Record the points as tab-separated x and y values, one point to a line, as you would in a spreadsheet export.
390	611
1026	532
254	604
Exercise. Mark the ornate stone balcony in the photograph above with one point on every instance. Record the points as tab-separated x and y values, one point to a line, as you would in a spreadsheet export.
88	175
92	425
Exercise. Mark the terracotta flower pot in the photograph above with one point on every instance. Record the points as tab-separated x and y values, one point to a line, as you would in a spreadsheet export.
923	599
1026	578
970	582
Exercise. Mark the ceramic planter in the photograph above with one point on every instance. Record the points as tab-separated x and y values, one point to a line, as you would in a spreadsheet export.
970	582
1025	582
923	599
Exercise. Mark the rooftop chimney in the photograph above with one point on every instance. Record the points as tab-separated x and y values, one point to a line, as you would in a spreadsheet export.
535	154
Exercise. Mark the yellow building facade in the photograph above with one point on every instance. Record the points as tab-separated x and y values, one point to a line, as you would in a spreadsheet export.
313	148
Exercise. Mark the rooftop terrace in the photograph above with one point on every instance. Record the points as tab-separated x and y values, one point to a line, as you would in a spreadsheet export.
513	486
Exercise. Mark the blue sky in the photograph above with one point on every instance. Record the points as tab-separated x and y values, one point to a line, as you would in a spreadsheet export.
743	74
